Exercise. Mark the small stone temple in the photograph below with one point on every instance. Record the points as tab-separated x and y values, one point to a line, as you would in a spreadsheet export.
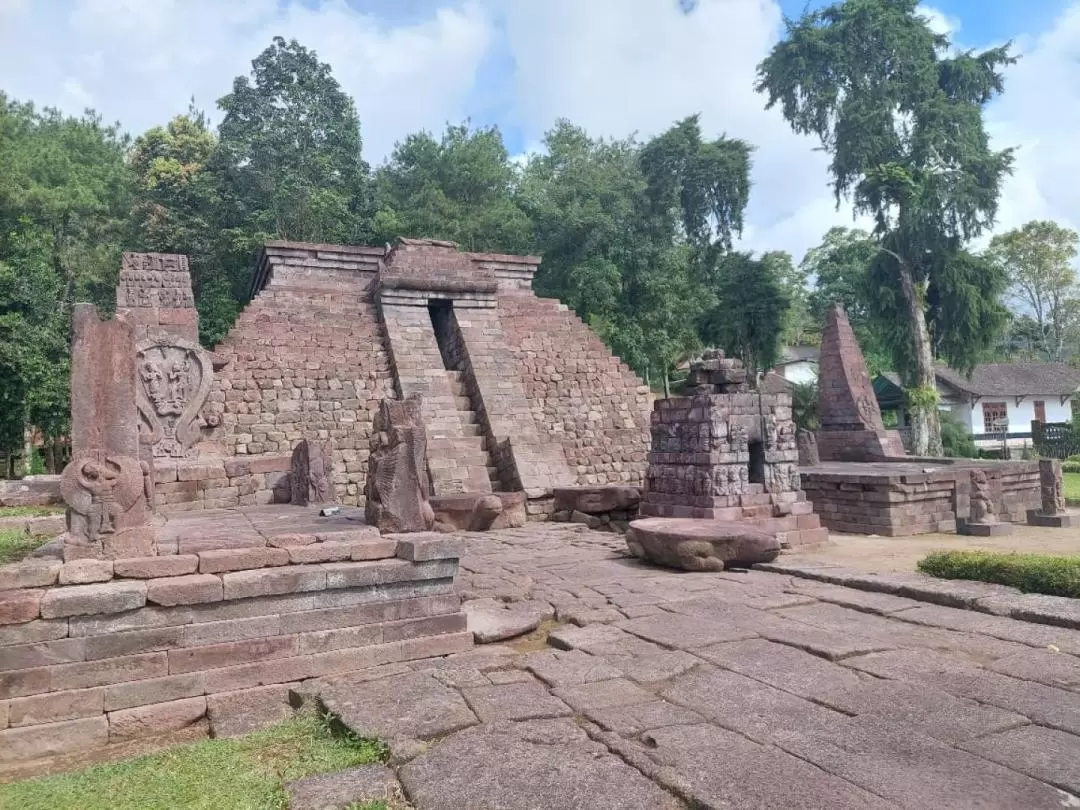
519	396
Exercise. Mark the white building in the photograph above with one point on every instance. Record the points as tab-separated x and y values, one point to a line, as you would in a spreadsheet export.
1007	397
798	364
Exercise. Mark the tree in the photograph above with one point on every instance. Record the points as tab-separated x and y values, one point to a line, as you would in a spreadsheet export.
289	152
798	327
178	209
748	318
1038	260
840	269
902	120
460	188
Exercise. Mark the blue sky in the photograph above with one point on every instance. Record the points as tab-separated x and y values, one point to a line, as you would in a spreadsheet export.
616	67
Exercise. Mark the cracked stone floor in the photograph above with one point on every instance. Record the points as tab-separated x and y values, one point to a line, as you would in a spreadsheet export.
662	689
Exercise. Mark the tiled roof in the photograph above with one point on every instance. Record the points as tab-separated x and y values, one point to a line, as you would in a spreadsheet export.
1013	379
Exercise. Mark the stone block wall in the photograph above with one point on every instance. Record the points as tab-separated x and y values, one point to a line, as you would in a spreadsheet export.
898	500
581	396
154	295
307	361
99	653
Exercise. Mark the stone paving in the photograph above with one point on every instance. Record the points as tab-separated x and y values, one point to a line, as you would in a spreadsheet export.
662	689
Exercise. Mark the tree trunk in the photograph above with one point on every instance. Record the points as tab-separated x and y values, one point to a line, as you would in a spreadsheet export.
667	384
925	424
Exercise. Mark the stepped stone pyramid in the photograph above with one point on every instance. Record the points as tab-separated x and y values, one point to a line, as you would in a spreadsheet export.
518	394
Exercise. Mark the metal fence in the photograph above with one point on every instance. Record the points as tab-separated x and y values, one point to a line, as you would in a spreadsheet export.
1054	439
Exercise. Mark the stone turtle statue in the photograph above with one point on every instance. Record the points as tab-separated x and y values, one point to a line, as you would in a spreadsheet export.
700	545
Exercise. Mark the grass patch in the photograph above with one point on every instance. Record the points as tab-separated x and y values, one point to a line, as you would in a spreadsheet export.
15	544
247	773
40	511
1071	485
1030	573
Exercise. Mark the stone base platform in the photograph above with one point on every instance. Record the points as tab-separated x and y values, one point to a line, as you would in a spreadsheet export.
1036	518
915	496
984	529
100	653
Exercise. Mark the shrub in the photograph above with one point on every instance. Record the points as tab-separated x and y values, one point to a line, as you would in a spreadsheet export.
1030	573
1070	466
956	440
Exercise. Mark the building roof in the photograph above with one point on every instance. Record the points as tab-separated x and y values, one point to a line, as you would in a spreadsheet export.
799	354
1013	379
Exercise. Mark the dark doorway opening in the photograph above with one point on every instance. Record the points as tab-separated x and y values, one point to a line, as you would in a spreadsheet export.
757	463
442	320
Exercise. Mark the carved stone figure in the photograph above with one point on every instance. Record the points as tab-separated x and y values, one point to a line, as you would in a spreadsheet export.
785	436
982	507
772	434
740	442
108	510
808	451
312	474
778	479
699	545
397	483
1053	498
174	378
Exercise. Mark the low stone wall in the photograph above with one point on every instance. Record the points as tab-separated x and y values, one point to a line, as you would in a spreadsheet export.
222	483
911	497
100	653
33	490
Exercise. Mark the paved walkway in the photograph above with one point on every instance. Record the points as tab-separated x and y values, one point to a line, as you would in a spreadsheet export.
732	690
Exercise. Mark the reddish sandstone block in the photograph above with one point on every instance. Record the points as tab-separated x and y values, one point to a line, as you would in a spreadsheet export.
29	632
349	535
42	654
155	719
108	671
203	633
270	581
290	540
82	572
320	552
169	565
377	548
241	559
29	574
187	590
234	713
418	628
152	690
422	547
56	706
81	600
114	645
35	742
19	606
264	673
213	656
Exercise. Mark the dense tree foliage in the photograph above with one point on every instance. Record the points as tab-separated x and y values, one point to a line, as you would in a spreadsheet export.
901	117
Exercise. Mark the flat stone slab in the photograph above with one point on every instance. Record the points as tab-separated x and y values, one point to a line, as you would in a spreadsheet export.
490	620
343	789
537	765
638	717
514	701
683	632
413	706
559	668
700	545
1046	754
720	768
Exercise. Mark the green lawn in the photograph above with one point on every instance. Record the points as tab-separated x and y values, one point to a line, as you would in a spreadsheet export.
1030	573
16	544
1072	487
247	773
30	511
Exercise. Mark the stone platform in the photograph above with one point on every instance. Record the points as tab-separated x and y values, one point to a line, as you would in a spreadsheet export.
915	496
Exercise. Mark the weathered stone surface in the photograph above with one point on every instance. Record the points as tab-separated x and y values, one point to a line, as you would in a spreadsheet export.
167	565
808	449
186	590
81	600
491	620
699	545
683	632
631	720
1043	753
851	427
312	474
82	572
29	574
414	706
557	668
719	768
155	719
34	742
344	789
596	500
514	701
174	379
539	765
603	694
240	559
233	714
466	512
428	546
397	483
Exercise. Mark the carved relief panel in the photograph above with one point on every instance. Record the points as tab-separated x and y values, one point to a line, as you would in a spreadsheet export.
173	382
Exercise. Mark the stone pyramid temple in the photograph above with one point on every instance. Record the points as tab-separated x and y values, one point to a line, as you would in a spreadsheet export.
518	394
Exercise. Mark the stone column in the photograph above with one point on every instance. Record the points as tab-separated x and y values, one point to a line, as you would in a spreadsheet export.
1052	513
982	520
105	485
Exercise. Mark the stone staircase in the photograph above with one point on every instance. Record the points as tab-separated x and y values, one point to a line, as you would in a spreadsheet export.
472	428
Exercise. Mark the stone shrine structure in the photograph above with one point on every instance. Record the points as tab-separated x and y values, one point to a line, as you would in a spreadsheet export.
851	427
728	454
108	491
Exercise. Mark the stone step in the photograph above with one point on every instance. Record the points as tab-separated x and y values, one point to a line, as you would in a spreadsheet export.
473	429
459	389
463	402
467	417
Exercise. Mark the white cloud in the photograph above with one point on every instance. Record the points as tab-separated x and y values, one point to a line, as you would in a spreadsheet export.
613	66
139	61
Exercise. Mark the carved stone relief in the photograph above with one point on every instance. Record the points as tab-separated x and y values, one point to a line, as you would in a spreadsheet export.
173	377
